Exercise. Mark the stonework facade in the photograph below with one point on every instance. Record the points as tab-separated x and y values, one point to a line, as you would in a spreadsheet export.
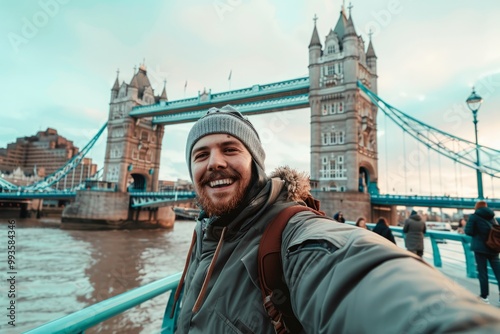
133	148
343	119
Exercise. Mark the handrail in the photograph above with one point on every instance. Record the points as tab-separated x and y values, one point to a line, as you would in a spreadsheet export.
436	237
79	321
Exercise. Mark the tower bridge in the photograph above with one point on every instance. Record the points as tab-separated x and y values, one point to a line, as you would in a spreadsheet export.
341	95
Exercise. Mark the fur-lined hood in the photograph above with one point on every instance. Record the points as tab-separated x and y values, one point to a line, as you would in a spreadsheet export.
296	183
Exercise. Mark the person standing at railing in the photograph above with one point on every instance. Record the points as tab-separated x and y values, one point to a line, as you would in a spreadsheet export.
339	216
461	226
361	222
414	230
478	227
383	229
338	278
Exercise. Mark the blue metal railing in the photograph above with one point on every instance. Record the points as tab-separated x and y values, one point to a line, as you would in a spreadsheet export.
79	321
431	201
441	237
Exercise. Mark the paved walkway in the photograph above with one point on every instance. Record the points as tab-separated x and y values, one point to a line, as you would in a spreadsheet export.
457	273
459	276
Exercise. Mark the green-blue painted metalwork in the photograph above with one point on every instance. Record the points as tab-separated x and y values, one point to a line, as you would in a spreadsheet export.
431	201
223	97
90	316
458	149
249	108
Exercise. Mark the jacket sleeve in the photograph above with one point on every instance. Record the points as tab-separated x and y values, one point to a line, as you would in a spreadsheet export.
406	227
470	228
354	282
391	236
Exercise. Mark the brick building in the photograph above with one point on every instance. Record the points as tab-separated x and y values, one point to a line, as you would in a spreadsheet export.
43	154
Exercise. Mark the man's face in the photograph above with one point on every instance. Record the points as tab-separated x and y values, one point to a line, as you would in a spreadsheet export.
222	169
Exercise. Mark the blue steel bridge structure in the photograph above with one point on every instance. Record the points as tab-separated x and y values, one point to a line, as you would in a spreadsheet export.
260	99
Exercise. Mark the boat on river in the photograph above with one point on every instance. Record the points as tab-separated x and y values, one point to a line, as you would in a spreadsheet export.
185	213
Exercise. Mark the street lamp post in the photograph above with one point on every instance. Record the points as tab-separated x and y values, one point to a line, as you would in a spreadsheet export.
474	102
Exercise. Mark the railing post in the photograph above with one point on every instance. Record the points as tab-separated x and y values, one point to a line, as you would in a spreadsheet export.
435	252
470	262
169	324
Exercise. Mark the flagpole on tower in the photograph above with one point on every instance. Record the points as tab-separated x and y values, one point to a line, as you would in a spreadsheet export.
185	86
229	78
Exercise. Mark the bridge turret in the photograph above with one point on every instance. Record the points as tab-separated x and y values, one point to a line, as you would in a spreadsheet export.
314	55
350	43
163	96
371	61
116	87
133	86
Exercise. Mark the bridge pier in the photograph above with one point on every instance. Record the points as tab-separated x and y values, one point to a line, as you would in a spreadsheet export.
97	209
389	212
352	204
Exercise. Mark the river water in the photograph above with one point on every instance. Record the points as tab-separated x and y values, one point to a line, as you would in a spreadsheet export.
61	271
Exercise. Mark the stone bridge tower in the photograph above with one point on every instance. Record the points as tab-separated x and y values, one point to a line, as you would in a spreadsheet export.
133	147
343	120
131	164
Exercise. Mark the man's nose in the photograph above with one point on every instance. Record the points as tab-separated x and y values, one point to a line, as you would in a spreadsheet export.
216	161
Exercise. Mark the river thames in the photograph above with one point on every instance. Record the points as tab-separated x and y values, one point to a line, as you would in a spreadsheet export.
61	271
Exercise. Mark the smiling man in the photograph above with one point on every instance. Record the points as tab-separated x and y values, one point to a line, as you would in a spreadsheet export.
341	279
222	169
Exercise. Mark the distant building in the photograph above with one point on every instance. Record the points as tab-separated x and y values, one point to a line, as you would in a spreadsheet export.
165	185
41	155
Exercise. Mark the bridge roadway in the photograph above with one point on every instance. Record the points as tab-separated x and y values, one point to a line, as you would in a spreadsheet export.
138	199
284	95
431	201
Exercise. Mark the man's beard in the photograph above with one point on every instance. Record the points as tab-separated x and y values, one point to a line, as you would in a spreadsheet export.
212	208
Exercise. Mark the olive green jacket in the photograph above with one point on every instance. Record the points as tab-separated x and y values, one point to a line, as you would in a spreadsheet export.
342	279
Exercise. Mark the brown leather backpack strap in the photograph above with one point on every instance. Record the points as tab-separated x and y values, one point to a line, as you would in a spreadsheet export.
270	267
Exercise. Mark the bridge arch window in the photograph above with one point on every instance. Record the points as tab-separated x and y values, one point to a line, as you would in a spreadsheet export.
331	49
325	109
339	107
330	70
135	154
325	138
340	68
145	136
333	139
334	168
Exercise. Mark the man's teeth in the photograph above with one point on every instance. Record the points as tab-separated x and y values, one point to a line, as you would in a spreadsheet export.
221	182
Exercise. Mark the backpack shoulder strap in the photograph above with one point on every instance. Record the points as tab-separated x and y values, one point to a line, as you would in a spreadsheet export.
275	293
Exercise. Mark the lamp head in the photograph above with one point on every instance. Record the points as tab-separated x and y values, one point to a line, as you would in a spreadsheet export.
474	101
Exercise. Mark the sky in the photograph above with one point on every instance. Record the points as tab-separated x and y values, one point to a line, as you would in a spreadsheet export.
60	59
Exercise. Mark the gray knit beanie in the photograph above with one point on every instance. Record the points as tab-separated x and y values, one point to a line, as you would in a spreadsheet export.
230	121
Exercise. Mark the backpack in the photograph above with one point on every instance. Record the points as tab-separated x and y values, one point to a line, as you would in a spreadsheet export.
493	240
275	292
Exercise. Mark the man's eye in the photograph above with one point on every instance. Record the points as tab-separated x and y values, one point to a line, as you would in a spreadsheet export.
200	156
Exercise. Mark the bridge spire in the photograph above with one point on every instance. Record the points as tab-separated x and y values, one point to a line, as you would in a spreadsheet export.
116	86
350	8
315	41
163	96
349	29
